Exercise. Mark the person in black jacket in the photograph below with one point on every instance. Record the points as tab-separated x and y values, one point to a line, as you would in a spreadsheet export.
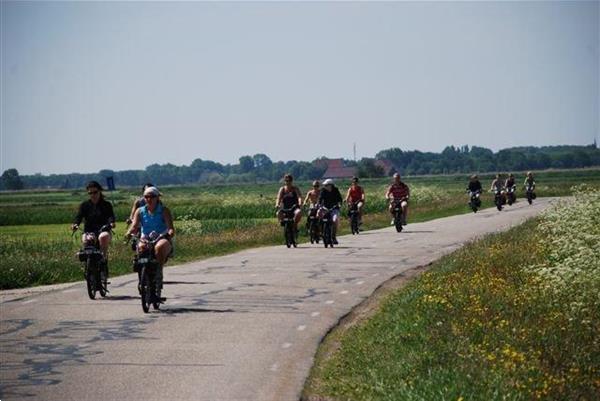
474	189
331	198
474	184
97	213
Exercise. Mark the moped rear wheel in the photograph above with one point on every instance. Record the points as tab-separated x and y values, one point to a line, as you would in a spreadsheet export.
90	277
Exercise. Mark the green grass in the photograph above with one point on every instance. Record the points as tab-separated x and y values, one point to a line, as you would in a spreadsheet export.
481	324
36	247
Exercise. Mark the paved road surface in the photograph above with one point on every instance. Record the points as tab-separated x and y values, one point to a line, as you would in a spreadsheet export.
238	327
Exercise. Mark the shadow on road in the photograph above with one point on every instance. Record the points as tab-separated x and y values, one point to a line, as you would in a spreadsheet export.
177	311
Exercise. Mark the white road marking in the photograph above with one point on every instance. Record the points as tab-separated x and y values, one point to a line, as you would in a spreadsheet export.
301	328
344	292
374	274
360	282
30	301
70	290
274	367
253	275
286	345
83	345
329	302
315	314
228	283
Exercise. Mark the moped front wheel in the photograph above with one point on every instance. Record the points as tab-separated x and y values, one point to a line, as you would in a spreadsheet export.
146	290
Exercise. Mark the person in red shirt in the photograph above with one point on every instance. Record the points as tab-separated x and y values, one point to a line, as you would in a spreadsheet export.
356	195
398	192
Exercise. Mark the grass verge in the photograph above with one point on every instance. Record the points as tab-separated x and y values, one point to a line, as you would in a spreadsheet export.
44	254
480	324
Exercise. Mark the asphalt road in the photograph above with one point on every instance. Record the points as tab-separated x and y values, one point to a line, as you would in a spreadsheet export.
239	327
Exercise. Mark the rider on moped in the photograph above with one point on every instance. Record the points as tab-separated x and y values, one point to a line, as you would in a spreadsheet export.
331	198
312	199
97	213
289	196
529	181
155	218
356	195
398	192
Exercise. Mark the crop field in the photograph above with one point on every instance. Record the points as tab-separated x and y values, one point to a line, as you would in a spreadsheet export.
36	246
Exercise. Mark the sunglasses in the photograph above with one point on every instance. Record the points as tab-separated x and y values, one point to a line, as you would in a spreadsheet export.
92	192
149	196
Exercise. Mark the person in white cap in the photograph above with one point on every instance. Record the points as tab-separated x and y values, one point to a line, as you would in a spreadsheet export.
331	198
154	217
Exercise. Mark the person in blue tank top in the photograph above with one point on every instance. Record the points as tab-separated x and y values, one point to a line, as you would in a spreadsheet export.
154	217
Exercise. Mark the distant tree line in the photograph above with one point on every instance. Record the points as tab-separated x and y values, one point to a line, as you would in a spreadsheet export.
260	168
477	159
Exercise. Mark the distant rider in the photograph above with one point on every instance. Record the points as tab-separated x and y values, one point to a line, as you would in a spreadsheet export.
474	184
398	192
331	198
356	195
474	188
97	213
139	202
510	181
312	199
289	196
529	181
157	218
498	186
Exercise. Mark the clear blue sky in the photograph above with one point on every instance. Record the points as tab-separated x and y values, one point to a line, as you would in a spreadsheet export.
87	86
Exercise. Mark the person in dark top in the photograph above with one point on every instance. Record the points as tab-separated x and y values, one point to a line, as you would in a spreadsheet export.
510	181
289	196
139	202
97	212
331	198
474	189
474	184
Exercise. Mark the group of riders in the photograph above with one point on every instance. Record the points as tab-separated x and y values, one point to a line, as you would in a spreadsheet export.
504	190
149	217
326	197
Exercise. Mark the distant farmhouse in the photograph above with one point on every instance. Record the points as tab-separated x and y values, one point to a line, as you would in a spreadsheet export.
336	169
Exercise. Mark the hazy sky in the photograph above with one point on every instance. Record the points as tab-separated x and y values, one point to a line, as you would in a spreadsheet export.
87	86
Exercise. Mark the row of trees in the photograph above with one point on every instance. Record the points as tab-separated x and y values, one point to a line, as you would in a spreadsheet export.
261	168
477	159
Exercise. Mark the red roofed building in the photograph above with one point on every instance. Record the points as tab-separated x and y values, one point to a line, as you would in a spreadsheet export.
336	169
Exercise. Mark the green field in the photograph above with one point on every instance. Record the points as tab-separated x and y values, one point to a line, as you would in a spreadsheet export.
36	246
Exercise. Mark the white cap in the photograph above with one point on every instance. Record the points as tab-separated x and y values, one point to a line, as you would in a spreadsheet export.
328	181
152	191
